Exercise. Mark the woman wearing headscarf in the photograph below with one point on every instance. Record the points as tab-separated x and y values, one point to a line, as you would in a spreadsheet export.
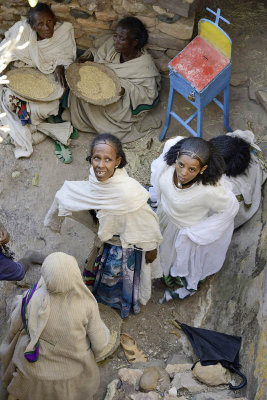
196	210
54	335
49	46
121	270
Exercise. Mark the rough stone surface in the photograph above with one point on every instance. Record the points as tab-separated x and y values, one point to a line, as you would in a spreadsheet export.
189	383
166	41
149	379
182	29
162	63
239	78
145	396
179	359
111	389
84	42
106	15
93	23
262	98
223	395
178	368
181	7
212	375
130	376
252	89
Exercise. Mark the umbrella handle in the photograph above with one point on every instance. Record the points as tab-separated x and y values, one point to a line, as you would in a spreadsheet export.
244	379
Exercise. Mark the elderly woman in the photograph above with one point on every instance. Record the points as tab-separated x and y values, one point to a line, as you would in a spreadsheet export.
54	335
51	48
140	79
245	169
120	272
196	210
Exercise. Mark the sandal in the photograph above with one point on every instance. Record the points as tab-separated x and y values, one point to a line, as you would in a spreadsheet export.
63	152
133	354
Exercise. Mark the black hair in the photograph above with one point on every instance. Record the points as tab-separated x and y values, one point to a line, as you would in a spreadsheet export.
137	30
109	138
39	8
235	152
203	151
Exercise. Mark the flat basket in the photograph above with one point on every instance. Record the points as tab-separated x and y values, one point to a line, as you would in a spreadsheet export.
26	93
113	321
73	77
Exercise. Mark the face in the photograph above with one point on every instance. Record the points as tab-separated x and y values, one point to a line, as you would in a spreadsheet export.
122	40
187	168
43	25
104	160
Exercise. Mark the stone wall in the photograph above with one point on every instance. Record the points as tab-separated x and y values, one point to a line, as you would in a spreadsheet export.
170	22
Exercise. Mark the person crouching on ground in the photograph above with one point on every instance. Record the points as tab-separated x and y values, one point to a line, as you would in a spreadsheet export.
54	335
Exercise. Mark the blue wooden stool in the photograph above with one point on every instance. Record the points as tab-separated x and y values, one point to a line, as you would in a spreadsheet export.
200	72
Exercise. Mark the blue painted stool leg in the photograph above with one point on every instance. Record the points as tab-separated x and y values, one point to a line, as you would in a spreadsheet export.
168	115
199	121
226	108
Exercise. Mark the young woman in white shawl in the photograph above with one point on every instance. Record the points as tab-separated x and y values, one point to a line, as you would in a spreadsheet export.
48	46
196	210
245	169
140	81
54	335
120	272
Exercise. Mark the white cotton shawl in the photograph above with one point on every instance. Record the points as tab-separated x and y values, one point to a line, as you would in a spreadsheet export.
122	209
44	54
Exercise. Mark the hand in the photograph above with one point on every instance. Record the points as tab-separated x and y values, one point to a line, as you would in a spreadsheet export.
60	75
122	92
4	236
83	59
151	256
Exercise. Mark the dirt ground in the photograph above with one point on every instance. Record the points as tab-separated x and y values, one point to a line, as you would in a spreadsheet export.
23	206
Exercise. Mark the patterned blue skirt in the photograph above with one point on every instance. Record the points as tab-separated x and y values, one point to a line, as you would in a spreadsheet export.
117	276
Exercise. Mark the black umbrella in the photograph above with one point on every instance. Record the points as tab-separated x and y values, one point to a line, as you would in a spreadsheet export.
212	347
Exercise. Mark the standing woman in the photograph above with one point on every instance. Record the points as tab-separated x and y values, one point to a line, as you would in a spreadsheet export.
54	335
128	228
196	211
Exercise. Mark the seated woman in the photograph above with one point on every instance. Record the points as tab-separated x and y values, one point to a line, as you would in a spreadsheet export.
128	228
196	211
245	169
50	348
51	48
140	79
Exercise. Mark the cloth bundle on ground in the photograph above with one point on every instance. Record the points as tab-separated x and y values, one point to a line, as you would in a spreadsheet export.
196	224
61	341
126	118
123	211
247	186
44	55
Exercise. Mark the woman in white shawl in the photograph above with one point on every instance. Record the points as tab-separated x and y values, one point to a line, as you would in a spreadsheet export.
49	47
54	335
121	271
196	211
140	79
245	169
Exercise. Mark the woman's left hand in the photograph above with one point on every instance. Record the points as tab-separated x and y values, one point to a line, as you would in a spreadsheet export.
60	75
151	256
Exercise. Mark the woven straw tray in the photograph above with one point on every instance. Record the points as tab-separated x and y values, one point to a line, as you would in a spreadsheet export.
73	77
26	93
113	321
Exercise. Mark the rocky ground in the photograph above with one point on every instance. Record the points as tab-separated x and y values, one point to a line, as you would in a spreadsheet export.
232	301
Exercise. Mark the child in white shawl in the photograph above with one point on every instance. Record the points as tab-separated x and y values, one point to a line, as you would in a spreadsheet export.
55	333
196	211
